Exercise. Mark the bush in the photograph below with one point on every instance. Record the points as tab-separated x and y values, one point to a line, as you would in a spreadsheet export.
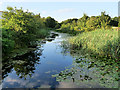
42	33
20	29
7	41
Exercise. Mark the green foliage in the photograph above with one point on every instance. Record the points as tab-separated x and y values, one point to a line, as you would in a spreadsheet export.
21	29
82	21
115	21
105	20
69	21
42	33
86	23
103	43
119	22
67	28
73	25
50	22
93	23
7	41
57	26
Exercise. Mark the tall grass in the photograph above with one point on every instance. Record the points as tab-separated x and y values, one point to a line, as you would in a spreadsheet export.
99	42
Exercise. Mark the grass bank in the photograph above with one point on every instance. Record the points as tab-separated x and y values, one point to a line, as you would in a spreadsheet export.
100	43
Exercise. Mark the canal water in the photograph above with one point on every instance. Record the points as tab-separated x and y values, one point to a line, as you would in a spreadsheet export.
37	68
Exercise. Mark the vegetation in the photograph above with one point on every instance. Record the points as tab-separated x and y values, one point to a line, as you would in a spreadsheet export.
20	29
96	52
50	22
89	72
24	65
94	36
99	42
96	59
86	23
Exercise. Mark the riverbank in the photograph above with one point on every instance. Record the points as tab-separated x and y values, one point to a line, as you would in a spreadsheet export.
26	49
17	50
96	62
98	43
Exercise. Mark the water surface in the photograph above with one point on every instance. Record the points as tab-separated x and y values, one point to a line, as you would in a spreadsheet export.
53	65
35	69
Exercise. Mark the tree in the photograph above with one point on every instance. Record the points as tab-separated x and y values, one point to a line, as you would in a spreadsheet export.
57	26
119	22
20	28
93	22
69	21
81	23
114	21
50	22
105	20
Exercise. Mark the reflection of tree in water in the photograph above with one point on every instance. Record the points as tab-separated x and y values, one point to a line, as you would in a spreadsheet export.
23	65
65	46
6	68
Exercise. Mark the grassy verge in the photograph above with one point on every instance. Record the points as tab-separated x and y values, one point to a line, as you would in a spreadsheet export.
101	43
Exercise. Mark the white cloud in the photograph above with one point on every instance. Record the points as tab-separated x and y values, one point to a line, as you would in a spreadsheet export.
22	83
67	85
66	10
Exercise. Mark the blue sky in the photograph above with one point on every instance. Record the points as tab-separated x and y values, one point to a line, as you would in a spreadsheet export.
64	10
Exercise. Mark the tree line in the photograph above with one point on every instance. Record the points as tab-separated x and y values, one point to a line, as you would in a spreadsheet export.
20	28
86	23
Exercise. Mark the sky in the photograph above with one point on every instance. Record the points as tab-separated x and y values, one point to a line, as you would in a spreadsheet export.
65	10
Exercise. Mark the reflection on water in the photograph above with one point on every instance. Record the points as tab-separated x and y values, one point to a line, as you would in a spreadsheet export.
35	69
52	66
23	65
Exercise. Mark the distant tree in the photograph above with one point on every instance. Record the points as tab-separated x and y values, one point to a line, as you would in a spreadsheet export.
119	22
85	17
114	21
82	21
57	26
93	22
50	22
69	21
105	20
74	23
